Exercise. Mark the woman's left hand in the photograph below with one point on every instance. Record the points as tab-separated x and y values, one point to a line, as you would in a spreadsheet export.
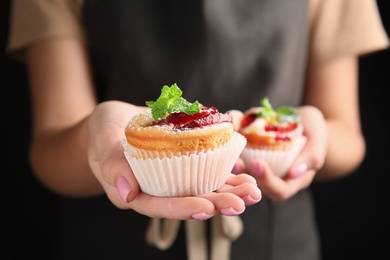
304	167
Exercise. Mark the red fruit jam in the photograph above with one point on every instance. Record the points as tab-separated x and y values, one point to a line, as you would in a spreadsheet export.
281	129
206	116
247	120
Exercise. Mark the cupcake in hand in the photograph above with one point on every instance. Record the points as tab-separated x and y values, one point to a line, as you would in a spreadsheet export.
273	135
178	148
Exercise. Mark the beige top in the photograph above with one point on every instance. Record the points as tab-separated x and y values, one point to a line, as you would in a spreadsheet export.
338	27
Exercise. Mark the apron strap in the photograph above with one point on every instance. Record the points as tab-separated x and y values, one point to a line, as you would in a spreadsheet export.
162	233
196	239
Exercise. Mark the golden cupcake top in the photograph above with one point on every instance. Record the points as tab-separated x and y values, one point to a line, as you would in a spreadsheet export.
173	123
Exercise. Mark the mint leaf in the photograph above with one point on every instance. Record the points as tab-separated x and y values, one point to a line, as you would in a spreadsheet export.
268	112
286	114
170	101
193	108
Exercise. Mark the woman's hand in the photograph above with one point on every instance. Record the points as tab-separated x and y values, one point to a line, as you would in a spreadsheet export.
303	169
110	167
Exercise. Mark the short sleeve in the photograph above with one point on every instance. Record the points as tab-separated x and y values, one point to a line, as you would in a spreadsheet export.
345	27
34	20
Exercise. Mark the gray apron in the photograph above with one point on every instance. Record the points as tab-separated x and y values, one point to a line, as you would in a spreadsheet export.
225	53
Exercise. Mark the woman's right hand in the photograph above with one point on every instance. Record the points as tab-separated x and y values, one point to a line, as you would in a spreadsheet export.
106	159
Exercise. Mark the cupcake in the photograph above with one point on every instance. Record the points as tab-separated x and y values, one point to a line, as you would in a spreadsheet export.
273	135
178	148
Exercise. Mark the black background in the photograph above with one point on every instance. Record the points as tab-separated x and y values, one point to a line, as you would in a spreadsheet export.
352	212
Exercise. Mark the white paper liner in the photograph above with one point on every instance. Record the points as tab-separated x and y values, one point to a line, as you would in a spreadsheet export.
187	175
279	161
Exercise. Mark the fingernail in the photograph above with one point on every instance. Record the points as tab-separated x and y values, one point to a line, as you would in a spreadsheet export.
257	168
230	212
123	188
248	200
299	170
201	216
237	169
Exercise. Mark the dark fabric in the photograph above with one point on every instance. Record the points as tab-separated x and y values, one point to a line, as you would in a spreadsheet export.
95	229
279	230
227	53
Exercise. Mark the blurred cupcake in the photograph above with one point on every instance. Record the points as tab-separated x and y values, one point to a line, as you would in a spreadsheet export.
273	135
178	148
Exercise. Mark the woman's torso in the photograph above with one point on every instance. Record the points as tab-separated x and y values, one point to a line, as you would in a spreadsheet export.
225	53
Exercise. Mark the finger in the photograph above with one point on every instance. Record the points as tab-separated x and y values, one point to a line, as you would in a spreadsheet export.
173	207
238	179
313	154
301	182
120	183
279	189
271	185
248	192
226	203
239	166
118	178
201	207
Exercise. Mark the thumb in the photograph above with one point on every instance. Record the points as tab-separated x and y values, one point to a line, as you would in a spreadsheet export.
126	184
239	167
119	181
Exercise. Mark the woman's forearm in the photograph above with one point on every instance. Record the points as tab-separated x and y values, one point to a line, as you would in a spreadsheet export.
59	160
332	87
346	151
63	98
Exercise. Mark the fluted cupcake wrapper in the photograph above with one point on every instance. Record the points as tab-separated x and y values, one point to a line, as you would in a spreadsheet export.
278	160
184	175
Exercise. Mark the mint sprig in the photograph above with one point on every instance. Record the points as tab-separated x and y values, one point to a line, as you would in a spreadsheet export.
286	114
170	101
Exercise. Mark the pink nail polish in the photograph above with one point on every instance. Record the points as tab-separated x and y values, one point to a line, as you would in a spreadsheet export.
201	216
248	200
236	169
230	212
299	170
123	188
